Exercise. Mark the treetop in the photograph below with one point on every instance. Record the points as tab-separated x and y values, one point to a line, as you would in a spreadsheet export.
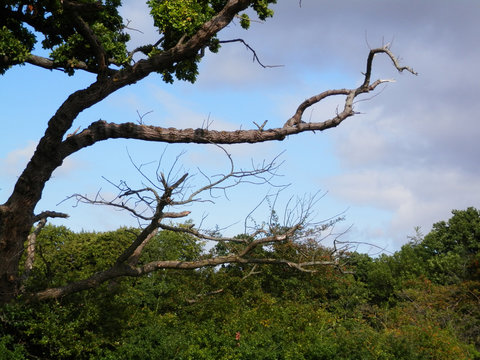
91	35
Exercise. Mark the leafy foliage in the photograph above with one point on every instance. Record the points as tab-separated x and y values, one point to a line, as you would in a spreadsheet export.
75	31
59	25
384	311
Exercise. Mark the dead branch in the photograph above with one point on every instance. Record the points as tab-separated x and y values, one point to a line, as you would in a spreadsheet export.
252	272
200	235
243	250
31	245
32	239
101	130
47	214
350	94
255	56
122	270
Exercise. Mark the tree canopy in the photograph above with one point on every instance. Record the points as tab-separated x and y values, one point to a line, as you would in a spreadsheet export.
91	35
377	308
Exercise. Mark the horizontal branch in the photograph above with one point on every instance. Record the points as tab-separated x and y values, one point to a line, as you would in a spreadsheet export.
47	214
125	270
199	235
49	64
101	130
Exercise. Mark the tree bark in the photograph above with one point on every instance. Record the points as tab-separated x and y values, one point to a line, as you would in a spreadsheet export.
14	230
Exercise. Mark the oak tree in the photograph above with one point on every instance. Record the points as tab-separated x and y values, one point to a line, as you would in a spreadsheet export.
91	36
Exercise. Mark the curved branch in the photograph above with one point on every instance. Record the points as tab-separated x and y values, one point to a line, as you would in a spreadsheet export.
101	130
385	50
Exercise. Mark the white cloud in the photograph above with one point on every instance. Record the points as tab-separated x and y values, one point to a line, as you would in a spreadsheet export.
17	159
413	197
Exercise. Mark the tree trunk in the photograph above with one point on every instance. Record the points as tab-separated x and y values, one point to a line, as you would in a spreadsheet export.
14	229
17	214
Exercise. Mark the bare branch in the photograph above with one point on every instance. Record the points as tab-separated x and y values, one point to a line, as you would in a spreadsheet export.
255	57
199	296
47	214
127	26
146	233
252	272
386	50
199	235
121	270
135	256
32	238
31	245
242	251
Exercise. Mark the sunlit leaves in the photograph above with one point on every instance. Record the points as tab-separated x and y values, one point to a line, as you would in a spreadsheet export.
12	49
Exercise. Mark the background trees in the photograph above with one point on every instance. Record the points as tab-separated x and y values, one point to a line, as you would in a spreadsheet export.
243	311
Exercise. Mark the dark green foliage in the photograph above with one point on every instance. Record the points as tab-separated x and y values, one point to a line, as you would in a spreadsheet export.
58	25
451	249
64	256
392	307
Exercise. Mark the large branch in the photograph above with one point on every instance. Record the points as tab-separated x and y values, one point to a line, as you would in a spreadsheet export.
101	130
126	270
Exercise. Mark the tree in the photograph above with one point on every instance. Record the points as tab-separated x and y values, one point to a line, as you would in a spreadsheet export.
268	312
91	36
449	253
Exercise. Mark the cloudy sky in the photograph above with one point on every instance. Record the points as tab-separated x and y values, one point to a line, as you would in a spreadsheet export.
407	160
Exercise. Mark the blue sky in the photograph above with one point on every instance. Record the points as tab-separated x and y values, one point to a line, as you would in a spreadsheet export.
407	160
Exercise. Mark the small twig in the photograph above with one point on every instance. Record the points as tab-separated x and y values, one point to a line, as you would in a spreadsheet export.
140	117
129	28
69	135
251	272
260	127
255	57
199	296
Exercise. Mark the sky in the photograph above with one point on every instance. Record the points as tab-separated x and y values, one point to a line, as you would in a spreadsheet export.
406	160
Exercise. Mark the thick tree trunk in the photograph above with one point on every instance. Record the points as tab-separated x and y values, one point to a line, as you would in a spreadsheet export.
14	229
17	214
